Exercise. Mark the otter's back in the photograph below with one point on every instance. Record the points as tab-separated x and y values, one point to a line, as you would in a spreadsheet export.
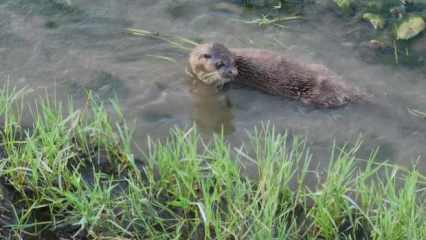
273	73
283	75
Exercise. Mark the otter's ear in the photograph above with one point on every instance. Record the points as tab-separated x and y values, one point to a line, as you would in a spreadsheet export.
206	56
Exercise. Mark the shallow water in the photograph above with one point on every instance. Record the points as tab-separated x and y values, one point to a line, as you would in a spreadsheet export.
66	50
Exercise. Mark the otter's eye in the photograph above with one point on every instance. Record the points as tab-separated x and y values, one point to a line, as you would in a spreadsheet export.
219	65
207	56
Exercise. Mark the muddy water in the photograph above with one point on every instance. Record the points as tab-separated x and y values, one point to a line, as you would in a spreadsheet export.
69	47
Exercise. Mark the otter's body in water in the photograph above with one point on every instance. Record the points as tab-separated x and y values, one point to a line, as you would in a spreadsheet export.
313	84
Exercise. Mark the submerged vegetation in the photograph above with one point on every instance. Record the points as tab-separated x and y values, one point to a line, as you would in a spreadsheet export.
386	31
392	27
73	174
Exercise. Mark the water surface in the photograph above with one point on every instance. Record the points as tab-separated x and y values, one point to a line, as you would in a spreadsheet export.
66	48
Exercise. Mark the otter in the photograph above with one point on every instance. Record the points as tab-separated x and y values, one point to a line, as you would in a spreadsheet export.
271	73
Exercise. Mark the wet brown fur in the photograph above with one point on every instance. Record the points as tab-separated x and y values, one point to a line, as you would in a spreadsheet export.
280	75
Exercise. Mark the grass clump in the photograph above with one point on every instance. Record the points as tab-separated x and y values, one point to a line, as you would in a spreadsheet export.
73	174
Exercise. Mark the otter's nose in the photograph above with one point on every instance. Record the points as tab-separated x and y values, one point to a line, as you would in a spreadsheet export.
233	72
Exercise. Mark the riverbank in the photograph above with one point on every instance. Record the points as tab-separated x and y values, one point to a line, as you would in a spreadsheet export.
73	173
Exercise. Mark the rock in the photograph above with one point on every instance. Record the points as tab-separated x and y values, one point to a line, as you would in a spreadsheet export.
376	44
410	28
377	21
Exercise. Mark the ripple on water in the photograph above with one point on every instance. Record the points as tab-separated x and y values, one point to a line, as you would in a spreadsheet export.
71	49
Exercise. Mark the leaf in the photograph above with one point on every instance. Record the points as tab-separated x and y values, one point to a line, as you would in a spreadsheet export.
417	113
410	28
376	20
344	5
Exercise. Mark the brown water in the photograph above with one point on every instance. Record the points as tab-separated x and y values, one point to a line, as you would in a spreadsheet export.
66	50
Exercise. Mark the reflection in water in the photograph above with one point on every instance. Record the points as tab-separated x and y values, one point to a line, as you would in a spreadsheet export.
103	84
212	109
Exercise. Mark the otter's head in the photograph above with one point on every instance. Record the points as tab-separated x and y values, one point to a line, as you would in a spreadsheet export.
213	64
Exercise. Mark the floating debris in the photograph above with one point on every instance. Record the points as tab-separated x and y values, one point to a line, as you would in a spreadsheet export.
165	58
417	113
275	21
175	41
